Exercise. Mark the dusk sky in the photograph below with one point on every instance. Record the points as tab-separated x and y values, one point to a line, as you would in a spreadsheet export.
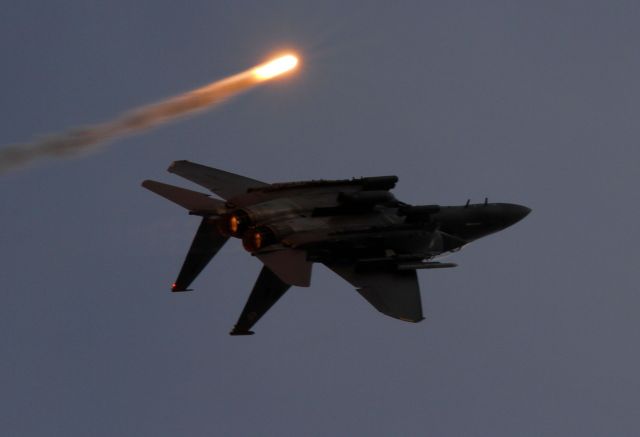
529	102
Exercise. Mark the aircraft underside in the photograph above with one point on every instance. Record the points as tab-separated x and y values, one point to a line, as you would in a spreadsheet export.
355	227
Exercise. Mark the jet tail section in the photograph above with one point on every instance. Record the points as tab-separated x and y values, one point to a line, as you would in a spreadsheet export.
191	200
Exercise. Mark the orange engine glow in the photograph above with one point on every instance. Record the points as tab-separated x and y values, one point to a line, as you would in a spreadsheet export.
253	240
256	239
234	224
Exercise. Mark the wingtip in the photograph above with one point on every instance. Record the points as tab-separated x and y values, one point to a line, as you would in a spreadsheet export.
174	164
175	288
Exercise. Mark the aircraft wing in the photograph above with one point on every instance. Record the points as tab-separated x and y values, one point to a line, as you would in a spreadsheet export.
394	293
329	193
223	183
266	292
207	242
244	191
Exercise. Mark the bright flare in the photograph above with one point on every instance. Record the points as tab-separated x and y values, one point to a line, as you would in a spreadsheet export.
275	67
146	117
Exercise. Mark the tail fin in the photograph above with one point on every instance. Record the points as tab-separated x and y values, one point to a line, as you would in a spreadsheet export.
191	200
268	289
206	243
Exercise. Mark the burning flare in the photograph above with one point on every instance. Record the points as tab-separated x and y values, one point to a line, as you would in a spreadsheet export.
146	117
276	67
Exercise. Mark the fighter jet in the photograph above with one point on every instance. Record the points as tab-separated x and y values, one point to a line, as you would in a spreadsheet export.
356	227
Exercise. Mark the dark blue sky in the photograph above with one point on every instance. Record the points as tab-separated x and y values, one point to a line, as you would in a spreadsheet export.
528	102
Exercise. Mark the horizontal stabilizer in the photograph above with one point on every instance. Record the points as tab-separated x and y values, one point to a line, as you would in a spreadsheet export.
223	183
266	292
290	265
207	242
394	293
191	200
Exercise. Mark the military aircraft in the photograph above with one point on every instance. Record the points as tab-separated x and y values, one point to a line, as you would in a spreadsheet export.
356	227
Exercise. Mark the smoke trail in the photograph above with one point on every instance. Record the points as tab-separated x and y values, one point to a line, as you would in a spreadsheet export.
78	140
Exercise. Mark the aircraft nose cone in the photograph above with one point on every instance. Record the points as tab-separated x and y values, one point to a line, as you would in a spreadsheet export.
514	213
